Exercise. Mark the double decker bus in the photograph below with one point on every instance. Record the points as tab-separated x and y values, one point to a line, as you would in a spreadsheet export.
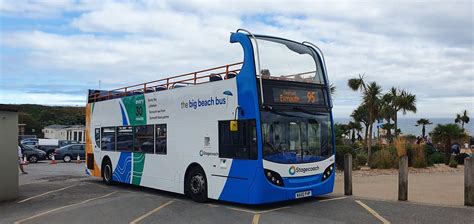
252	132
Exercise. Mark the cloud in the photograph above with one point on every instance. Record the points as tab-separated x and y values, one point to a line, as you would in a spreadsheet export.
422	47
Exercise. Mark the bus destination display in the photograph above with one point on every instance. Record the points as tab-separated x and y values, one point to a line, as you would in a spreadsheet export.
298	96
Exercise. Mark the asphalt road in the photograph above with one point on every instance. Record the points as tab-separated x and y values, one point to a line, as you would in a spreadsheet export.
62	194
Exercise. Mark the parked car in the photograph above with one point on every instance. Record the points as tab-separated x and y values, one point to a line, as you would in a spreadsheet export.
67	142
32	154
70	152
30	141
49	145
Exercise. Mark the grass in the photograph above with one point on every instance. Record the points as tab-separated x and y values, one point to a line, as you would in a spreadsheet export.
419	157
400	145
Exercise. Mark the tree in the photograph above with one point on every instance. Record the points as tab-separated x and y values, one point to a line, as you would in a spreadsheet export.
401	100
387	112
340	130
361	115
445	134
353	127
462	119
371	99
423	122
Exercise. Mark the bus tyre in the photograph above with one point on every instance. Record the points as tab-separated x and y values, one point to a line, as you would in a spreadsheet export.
67	158
107	173
197	185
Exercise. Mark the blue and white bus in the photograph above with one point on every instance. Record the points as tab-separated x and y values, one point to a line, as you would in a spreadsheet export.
252	132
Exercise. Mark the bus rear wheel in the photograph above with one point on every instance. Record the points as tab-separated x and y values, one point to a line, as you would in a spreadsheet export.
196	186
107	173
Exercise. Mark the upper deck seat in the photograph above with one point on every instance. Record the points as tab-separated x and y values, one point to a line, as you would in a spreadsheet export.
136	92
160	88
149	90
215	77
178	86
231	75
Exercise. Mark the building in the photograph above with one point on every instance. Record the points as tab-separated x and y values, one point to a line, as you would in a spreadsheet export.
65	132
9	152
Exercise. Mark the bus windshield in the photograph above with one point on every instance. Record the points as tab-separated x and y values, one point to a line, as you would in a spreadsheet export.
296	137
287	60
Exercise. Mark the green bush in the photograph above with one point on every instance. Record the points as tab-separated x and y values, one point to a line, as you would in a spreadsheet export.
341	150
383	159
435	158
460	158
429	150
361	159
376	148
453	163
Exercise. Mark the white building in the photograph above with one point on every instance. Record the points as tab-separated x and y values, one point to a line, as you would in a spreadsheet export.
65	132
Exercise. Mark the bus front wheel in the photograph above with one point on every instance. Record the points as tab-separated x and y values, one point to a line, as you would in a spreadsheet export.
197	184
107	173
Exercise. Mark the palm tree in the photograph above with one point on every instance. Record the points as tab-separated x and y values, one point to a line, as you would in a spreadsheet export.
371	98
462	119
354	126
388	127
361	115
445	134
423	122
404	101
387	112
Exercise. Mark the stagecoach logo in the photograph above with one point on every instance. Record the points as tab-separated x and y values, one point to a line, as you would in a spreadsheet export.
294	169
204	153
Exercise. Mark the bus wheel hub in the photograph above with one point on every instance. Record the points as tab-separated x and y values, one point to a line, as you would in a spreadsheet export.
197	183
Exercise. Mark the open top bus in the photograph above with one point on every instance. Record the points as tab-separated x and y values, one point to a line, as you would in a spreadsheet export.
251	132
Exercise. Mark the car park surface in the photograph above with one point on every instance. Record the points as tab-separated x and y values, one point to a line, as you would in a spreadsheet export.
62	193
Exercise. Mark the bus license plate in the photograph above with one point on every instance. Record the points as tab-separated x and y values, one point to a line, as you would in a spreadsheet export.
303	194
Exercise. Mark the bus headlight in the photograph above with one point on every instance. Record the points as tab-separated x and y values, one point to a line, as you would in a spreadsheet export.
273	177
328	172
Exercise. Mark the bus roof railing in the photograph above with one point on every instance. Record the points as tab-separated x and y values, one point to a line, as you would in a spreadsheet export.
192	78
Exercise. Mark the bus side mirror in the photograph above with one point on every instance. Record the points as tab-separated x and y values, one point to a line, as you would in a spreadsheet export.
234	125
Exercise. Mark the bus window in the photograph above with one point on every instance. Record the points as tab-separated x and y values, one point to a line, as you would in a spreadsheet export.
160	139
144	141
240	144
124	138
108	139
97	137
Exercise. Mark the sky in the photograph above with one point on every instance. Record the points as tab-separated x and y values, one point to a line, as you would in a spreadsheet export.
52	52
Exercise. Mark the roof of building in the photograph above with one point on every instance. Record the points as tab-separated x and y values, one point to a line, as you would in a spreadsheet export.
76	127
56	126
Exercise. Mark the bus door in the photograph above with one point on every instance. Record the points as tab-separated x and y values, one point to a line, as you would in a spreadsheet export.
237	151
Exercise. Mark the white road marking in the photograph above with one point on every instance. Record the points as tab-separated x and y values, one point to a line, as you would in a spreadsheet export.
43	194
150	213
62	207
374	213
256	212
256	219
332	199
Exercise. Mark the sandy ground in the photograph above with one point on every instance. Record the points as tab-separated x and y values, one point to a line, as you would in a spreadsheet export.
440	185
